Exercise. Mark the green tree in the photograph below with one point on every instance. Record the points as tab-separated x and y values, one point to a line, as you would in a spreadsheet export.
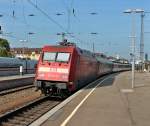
3	53
4	44
4	48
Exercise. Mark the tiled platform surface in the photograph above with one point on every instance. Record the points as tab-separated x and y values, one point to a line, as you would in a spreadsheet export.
113	103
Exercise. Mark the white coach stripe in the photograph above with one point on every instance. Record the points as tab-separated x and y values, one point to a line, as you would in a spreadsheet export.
62	70
49	69
79	105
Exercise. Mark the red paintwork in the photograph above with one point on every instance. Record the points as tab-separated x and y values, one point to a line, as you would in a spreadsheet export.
53	75
80	68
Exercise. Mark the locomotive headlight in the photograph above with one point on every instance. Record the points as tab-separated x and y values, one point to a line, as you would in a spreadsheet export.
44	69
40	74
65	76
71	83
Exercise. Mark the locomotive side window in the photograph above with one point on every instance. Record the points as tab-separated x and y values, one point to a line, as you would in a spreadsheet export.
49	56
63	57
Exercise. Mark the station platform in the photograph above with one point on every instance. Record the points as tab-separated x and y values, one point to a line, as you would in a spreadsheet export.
9	82
16	77
108	102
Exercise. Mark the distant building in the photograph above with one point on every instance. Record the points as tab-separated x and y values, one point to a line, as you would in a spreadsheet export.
111	58
29	53
120	60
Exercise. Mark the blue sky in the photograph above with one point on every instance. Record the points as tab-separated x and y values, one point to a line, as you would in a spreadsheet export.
111	24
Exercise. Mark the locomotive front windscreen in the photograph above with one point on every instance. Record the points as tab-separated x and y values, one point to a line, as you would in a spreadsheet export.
63	57
56	56
49	56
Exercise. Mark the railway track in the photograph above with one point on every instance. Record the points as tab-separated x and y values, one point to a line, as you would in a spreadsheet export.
25	115
9	91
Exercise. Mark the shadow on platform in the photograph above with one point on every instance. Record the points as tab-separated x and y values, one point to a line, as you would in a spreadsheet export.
107	82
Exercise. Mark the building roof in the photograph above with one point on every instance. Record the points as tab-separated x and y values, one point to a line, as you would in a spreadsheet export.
25	50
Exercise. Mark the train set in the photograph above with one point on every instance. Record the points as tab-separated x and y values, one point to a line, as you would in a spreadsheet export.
65	68
11	66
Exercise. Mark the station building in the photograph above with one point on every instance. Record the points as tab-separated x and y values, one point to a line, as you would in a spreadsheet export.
28	53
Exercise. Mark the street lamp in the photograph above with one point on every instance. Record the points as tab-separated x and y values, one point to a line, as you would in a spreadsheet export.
133	11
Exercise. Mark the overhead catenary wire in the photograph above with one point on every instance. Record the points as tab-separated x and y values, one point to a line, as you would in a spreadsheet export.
46	15
20	21
23	12
13	12
15	18
24	17
70	11
11	36
13	15
24	21
52	20
36	3
69	15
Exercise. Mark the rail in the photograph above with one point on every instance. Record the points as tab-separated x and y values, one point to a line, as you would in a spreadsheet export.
28	113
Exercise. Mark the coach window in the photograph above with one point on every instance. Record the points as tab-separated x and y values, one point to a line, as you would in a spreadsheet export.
63	57
49	56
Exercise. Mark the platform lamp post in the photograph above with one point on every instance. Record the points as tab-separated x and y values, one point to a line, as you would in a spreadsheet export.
133	12
23	55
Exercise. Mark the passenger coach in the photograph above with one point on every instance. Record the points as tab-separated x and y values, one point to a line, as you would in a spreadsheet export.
62	69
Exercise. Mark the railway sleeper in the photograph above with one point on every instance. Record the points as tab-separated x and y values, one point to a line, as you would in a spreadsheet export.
8	124
16	122
41	106
29	117
35	110
31	114
22	118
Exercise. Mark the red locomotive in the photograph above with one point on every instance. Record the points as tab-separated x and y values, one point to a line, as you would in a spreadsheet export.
65	68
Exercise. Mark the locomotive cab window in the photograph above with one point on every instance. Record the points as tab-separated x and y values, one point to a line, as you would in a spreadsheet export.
63	57
49	56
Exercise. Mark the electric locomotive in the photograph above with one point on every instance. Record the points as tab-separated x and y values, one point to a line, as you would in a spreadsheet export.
63	69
